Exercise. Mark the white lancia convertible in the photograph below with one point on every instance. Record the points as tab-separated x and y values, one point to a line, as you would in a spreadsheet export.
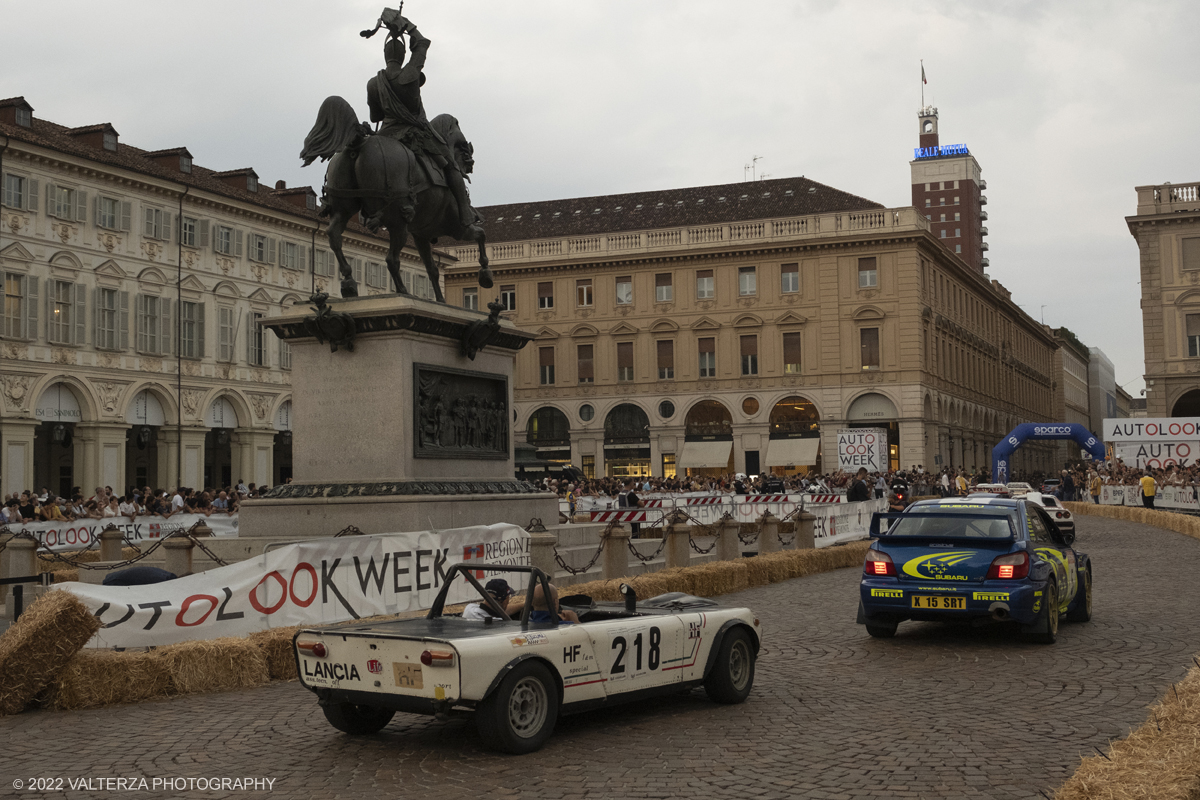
518	676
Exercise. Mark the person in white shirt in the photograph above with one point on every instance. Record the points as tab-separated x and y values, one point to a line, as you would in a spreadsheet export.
500	591
177	500
127	507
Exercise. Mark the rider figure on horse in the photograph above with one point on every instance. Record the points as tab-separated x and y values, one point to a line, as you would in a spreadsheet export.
394	97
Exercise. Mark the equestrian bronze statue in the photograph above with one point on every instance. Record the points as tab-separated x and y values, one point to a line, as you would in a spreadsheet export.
408	176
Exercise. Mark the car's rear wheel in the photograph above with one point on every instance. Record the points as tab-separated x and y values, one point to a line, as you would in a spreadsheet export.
357	720
732	676
882	630
1082	611
520	715
1045	630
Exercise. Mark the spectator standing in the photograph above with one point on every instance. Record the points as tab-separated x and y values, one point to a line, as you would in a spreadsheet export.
945	483
1148	489
858	491
1094	488
880	486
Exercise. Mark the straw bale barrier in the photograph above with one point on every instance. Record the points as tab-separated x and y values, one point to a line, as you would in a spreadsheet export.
100	678
211	665
1172	521
37	648
276	647
96	678
65	575
1158	761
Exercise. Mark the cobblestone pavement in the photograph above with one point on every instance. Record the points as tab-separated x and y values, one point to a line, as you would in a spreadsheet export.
934	713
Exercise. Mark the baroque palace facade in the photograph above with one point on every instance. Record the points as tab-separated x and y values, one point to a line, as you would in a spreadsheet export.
739	327
135	282
1167	230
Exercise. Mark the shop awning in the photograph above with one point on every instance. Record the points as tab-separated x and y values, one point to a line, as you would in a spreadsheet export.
704	455
792	452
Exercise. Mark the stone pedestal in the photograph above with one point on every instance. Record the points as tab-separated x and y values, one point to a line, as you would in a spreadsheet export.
403	432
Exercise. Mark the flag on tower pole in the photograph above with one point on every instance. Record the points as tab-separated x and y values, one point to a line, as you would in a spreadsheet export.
923	78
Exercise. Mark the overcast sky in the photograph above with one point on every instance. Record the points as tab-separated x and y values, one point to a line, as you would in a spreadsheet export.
1066	106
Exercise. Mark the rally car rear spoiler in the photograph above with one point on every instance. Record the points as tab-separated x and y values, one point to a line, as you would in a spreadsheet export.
876	517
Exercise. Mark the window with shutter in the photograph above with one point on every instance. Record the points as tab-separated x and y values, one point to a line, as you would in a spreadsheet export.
31	196
868	274
789	278
258	247
747	281
869	344
587	373
705	285
708	357
14	306
255	334
508	297
791	353
625	291
624	361
470	299
14	191
106	312
1191	253
583	292
546	295
202	233
31	307
749	351
225	334
285	355
187	231
664	289
546	365
666	360
272	244
80	206
1193	335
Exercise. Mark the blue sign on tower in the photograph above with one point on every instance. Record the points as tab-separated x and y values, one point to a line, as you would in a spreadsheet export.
943	150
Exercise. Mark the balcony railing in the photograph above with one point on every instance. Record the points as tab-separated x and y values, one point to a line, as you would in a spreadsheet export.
1168	198
814	226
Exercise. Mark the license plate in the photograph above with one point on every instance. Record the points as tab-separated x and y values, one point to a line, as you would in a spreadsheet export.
940	602
408	676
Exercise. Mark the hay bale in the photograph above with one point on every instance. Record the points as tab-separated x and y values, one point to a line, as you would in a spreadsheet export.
276	646
96	678
214	665
65	575
1155	762
37	648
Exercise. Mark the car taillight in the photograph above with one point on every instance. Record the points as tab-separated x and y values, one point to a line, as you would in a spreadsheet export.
314	649
878	564
438	658
1009	567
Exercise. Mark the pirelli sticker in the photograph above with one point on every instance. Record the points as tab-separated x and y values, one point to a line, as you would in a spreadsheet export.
989	595
887	593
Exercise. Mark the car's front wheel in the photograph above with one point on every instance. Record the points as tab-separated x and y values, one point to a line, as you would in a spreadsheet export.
732	676
357	720
1045	630
520	715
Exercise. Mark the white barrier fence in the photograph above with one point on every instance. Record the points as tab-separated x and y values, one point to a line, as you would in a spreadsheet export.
84	534
1175	498
310	583
704	506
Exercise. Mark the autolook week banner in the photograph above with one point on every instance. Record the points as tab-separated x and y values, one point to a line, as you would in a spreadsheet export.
321	581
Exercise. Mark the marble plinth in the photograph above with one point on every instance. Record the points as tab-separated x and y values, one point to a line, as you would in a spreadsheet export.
403	432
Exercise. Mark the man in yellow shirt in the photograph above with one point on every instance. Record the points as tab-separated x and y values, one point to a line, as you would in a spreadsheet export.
1148	487
1094	487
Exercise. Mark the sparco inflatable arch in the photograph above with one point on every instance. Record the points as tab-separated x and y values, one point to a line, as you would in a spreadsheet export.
1002	453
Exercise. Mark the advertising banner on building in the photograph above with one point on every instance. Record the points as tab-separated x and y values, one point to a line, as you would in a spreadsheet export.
862	447
1158	454
1151	430
309	583
84	534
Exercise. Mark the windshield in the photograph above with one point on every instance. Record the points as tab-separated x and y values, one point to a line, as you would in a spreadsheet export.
985	522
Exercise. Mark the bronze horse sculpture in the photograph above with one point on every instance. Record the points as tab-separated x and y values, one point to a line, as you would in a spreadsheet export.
380	178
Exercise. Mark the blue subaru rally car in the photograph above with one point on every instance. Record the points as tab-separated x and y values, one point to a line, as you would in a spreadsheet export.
976	560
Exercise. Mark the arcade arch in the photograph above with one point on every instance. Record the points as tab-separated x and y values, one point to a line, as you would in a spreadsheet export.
627	442
794	439
707	440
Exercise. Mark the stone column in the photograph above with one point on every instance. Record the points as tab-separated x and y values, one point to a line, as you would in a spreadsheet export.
22	560
912	444
111	542
191	442
729	546
616	553
100	456
541	552
178	551
16	455
253	454
805	535
678	547
768	534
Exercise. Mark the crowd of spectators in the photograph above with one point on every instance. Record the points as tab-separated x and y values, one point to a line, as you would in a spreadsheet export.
46	506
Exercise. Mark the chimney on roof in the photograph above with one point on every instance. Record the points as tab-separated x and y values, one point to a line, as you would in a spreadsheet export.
177	158
280	185
15	111
245	179
103	136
